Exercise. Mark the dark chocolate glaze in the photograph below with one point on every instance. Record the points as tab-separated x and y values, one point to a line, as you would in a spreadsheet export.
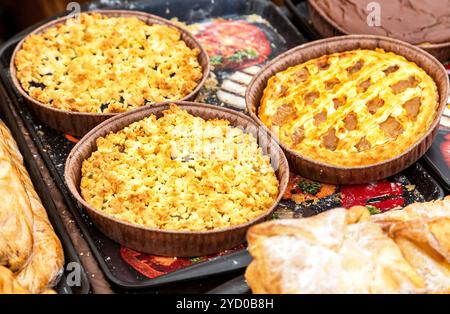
414	21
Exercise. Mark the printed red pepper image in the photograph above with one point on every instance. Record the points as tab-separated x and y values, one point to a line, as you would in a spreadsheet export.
383	195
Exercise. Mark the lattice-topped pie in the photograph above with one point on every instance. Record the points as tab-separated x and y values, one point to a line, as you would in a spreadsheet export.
351	108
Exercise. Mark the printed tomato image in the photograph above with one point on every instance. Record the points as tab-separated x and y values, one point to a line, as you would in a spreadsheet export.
234	44
152	266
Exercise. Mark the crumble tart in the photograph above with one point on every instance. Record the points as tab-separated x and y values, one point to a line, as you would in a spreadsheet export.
103	64
179	172
352	108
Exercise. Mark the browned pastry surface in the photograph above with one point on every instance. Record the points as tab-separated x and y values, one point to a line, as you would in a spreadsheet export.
422	231
97	281
44	262
16	217
9	284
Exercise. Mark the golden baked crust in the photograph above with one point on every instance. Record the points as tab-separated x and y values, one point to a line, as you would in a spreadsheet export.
41	262
422	231
352	108
16	216
349	251
180	172
9	284
107	64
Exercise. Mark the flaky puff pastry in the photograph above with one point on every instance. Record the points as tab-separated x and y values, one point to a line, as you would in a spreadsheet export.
422	232
338	251
46	259
16	216
10	285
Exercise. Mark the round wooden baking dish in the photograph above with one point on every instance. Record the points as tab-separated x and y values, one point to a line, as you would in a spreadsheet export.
326	27
167	242
79	123
324	172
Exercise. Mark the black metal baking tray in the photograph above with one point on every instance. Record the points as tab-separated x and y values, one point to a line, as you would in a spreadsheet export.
300	15
70	253
54	146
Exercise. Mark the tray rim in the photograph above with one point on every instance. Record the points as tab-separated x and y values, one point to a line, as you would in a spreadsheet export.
307	27
227	287
443	180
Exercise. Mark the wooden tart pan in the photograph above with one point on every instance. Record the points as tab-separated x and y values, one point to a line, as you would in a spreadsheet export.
167	242
324	172
327	27
79	123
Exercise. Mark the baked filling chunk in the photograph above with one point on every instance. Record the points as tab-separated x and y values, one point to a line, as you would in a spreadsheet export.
107	64
350	108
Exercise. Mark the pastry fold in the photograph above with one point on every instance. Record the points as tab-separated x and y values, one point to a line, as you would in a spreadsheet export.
16	216
9	284
42	263
422	232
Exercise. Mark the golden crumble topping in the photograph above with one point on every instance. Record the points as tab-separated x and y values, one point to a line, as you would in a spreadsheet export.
351	108
180	172
107	64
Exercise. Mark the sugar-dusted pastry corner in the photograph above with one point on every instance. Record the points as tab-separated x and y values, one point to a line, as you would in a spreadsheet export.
349	251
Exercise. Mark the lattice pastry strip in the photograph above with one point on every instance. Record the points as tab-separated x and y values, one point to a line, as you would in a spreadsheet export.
352	108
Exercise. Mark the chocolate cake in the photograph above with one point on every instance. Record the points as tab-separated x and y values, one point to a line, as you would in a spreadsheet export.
419	22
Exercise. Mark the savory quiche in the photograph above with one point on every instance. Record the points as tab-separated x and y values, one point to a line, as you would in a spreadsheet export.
351	108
